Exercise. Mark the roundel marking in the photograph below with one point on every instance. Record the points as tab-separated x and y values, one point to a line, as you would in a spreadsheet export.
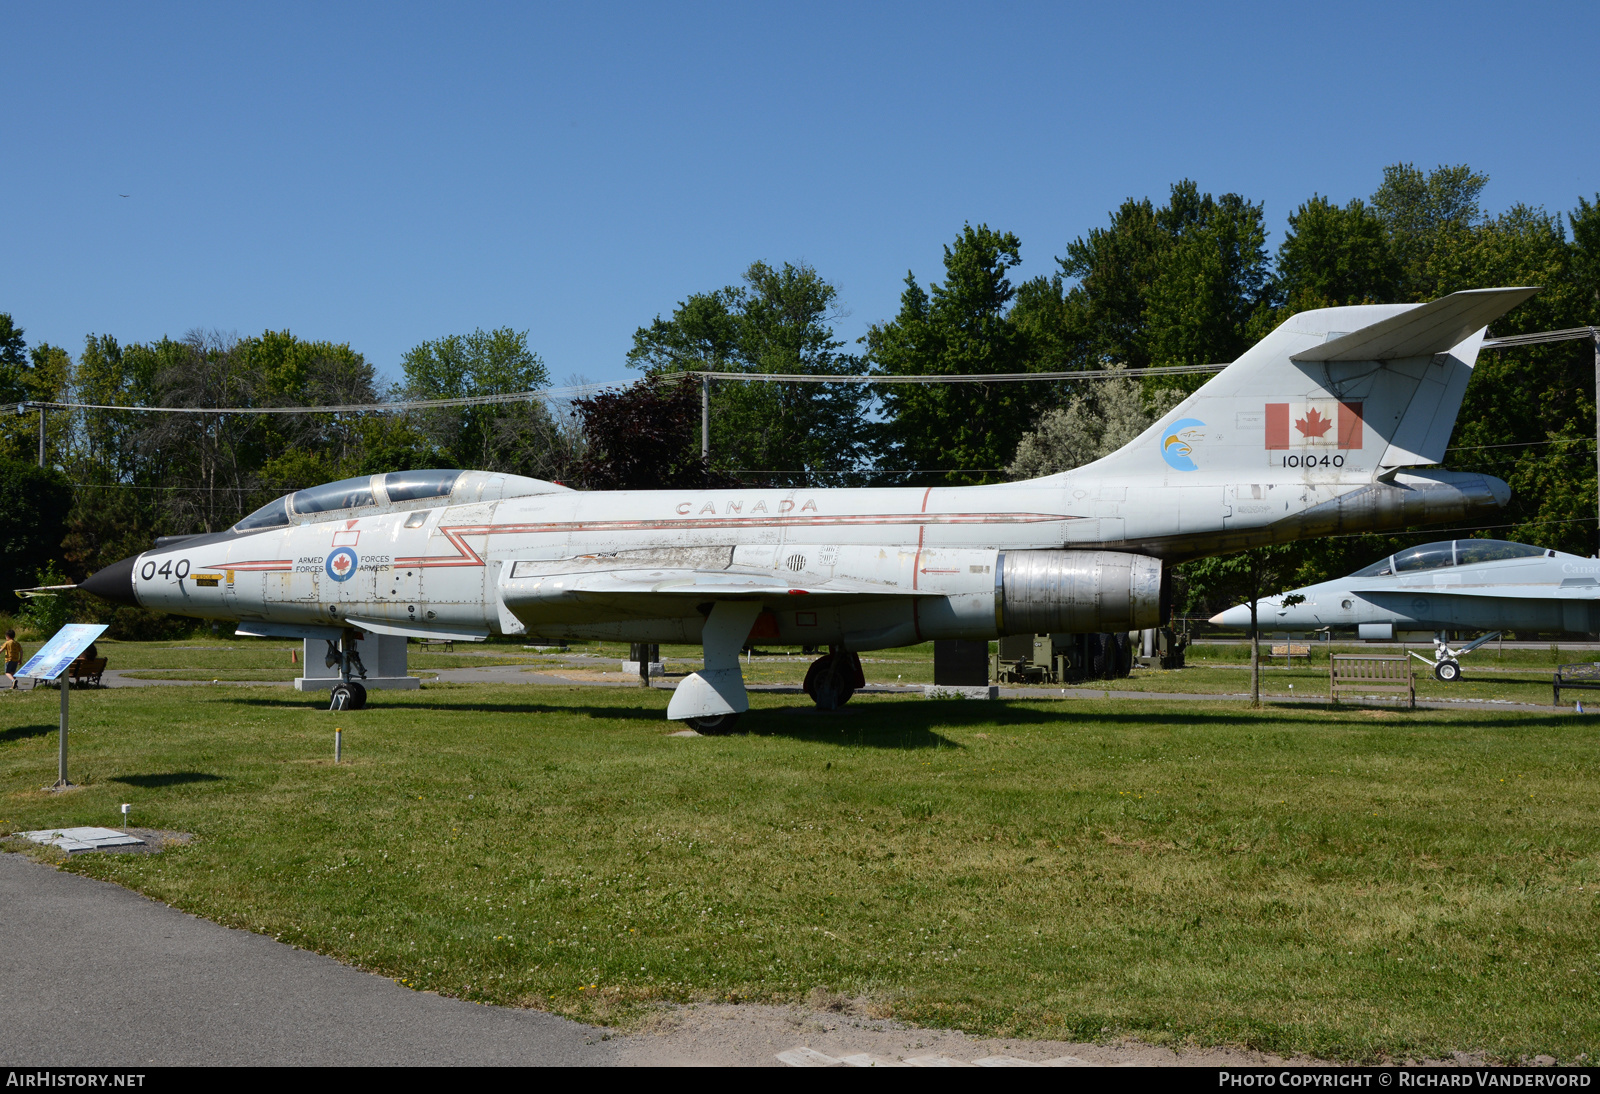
1177	443
341	564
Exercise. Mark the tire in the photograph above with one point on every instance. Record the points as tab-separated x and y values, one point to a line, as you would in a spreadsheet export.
1447	671
341	698
715	725
830	681
358	696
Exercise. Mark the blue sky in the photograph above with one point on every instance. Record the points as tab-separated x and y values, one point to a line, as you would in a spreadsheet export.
390	173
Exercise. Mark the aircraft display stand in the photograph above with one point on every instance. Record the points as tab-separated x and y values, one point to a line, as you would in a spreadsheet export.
383	654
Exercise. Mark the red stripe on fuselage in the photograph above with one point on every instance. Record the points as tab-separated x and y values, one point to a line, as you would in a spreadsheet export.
271	564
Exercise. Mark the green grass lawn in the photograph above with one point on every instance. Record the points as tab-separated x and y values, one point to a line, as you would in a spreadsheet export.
1349	883
267	659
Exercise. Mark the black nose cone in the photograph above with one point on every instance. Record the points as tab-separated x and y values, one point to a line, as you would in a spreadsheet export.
115	582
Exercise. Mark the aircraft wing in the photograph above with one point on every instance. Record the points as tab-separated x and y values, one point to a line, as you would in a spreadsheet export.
718	584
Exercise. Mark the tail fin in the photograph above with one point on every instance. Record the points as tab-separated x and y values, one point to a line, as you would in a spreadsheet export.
1351	392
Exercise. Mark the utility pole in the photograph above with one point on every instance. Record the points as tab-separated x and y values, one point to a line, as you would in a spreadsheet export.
705	410
41	439
1594	333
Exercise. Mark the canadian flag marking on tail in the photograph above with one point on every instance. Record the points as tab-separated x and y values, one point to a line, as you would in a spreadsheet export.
1325	423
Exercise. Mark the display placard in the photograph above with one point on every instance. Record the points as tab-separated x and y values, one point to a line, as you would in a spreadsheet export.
56	655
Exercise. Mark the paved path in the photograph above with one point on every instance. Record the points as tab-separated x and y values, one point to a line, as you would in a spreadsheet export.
517	674
93	974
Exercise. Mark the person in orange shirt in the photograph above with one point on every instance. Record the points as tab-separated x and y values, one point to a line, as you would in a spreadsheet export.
11	653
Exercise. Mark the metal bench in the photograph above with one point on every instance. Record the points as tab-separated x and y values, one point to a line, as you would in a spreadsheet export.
1580	677
1359	673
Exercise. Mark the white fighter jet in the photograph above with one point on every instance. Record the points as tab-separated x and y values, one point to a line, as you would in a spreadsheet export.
1454	585
1319	428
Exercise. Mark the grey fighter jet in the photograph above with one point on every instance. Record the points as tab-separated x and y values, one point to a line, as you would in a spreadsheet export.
1324	426
1454	585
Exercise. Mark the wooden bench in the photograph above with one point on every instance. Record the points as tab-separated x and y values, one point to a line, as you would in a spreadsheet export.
448	644
86	671
1580	677
1359	673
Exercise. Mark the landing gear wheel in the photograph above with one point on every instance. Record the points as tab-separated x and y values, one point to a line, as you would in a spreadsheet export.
832	679
351	696
1447	671
714	725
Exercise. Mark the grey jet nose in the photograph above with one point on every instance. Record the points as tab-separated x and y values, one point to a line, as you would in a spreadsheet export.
115	582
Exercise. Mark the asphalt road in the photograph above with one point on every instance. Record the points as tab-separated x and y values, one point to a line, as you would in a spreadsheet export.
92	974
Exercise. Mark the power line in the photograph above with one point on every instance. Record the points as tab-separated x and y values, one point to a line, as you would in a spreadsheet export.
875	379
343	408
870	379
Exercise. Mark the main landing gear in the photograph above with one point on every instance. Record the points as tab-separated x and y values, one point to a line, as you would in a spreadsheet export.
347	694
714	725
833	678
712	699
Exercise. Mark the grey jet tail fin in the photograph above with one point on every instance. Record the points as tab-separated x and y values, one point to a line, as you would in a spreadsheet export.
1342	394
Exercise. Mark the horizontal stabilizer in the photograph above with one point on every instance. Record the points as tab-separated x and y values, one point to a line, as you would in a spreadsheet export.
1421	331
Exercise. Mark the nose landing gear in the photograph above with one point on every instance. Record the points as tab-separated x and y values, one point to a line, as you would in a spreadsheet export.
347	694
351	696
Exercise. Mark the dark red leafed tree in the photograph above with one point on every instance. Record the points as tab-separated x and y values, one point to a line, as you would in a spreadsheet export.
645	437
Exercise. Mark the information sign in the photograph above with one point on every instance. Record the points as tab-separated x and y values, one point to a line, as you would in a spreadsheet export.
56	655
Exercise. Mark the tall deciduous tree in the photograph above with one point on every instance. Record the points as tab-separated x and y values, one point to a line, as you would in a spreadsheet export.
779	321
955	433
35	501
518	437
1334	255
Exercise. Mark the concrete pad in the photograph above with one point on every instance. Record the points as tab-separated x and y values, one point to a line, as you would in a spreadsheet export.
808	1057
74	840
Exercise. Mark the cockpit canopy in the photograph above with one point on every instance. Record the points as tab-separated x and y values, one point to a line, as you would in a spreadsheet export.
1450	552
395	490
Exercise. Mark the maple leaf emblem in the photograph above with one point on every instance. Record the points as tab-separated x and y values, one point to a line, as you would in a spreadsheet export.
1313	424
342	563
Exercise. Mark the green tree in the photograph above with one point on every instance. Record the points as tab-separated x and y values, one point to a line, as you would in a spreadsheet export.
1427	217
520	437
955	433
779	321
35	501
13	359
1184	283
1332	256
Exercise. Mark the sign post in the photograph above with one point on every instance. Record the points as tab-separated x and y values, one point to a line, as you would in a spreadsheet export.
52	661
